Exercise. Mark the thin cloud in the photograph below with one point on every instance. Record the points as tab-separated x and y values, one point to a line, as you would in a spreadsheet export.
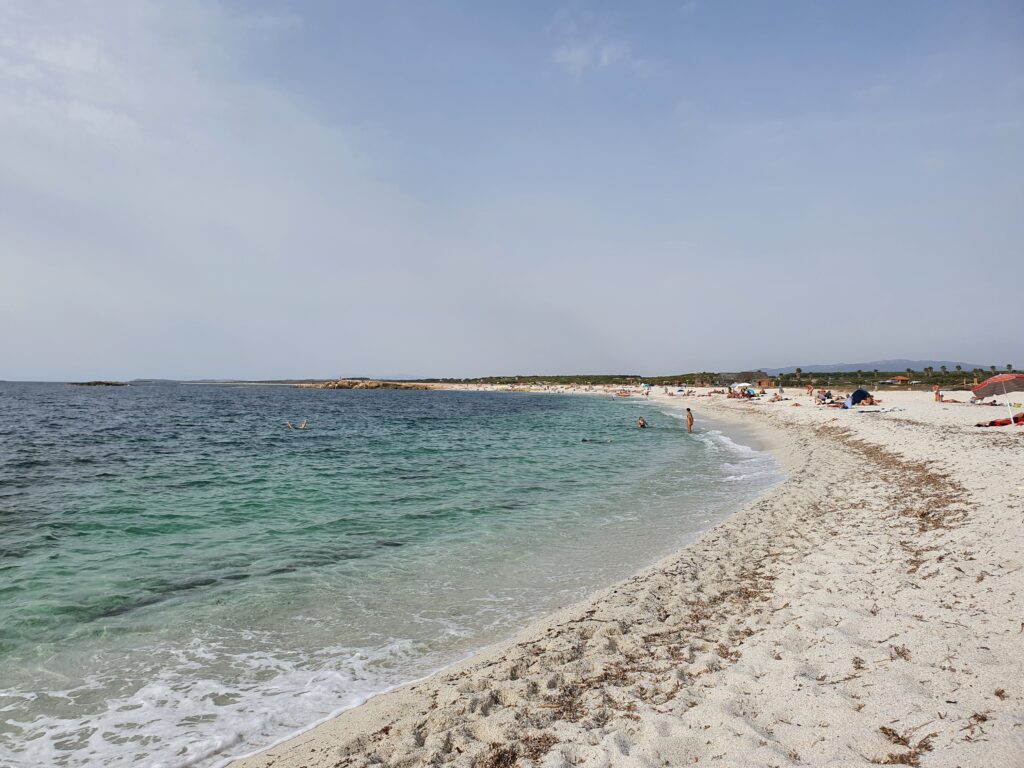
581	57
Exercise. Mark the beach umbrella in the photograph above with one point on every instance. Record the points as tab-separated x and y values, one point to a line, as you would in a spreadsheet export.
741	385
1005	383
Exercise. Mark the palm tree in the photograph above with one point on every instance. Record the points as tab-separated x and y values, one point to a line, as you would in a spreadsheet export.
1009	367
959	368
943	369
928	371
992	368
798	372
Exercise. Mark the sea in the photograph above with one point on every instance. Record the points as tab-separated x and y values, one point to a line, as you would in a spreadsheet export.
183	579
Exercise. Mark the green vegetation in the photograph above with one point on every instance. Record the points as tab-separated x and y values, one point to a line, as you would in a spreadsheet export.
705	378
872	379
924	379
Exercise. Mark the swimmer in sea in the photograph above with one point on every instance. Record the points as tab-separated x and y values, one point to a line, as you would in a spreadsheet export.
641	424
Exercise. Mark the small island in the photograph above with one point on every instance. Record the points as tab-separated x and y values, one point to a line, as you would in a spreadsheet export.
98	383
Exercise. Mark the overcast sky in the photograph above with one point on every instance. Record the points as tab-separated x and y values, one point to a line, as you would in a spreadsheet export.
245	189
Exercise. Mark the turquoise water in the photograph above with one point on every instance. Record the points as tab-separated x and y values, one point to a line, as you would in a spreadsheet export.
183	579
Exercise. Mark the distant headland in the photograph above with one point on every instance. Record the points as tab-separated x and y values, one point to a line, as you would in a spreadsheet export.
364	384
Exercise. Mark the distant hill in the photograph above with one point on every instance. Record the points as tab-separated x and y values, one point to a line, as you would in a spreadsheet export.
879	365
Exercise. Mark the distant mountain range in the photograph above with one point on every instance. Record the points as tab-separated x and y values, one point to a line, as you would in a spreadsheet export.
877	365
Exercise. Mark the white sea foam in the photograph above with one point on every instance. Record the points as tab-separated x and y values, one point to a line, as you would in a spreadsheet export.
175	708
743	462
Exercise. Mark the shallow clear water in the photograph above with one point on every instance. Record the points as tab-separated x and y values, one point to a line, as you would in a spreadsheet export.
183	579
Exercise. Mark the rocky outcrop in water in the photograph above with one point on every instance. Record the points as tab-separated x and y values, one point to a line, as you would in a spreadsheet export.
98	383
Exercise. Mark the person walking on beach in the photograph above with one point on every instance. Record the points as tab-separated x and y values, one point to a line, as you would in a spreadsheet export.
689	420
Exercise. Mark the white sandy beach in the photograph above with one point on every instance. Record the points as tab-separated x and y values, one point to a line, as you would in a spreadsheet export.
869	610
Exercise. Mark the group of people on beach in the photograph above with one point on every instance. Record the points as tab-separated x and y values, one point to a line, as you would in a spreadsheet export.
826	398
743	393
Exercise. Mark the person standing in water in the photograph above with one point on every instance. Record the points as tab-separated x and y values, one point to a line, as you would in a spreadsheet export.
641	424
689	420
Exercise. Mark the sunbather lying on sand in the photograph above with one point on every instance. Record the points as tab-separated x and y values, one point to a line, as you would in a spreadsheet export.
848	402
1018	419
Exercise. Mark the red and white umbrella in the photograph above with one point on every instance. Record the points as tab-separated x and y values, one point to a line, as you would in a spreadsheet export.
1004	383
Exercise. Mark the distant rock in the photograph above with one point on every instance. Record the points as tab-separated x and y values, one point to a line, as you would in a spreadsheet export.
98	383
362	384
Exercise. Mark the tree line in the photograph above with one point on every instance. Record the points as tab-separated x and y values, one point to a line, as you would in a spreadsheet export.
927	376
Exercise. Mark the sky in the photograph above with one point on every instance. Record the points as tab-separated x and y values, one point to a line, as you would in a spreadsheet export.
196	189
